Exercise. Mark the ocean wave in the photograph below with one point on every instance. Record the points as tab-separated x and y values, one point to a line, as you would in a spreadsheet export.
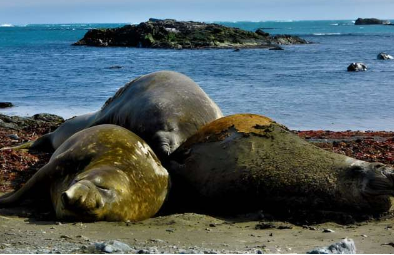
334	24
280	21
6	25
327	34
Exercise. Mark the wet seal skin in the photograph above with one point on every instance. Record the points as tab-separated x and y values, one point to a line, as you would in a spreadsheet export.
163	108
245	162
103	173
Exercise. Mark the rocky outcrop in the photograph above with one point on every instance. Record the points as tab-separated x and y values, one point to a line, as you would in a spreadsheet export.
261	32
6	104
276	48
37	120
384	56
172	34
356	67
371	21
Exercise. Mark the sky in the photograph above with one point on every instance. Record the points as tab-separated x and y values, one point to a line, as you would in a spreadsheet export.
133	11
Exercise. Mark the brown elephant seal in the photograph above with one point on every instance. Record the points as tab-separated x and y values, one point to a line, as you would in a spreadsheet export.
163	108
248	161
101	173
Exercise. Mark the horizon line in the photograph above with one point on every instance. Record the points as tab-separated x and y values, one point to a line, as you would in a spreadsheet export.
214	21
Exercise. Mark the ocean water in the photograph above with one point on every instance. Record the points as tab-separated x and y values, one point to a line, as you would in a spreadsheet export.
303	87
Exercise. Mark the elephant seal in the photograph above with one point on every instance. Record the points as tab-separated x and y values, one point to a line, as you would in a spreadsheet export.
101	173
356	67
163	108
384	56
248	162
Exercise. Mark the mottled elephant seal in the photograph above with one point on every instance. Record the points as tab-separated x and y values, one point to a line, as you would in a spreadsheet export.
101	173
248	161
163	108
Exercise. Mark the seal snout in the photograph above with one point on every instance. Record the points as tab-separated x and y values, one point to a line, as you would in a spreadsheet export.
82	195
379	180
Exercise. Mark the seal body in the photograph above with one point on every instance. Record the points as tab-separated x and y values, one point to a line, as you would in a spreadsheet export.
356	67
101	173
384	56
245	161
163	108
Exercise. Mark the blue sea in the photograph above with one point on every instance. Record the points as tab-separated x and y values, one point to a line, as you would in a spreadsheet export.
303	87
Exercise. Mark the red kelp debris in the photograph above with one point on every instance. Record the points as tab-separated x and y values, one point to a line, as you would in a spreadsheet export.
16	167
369	146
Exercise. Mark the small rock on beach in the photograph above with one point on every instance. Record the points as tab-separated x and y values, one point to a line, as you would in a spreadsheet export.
346	246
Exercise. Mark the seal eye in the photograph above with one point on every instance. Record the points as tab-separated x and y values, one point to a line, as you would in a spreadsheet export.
101	187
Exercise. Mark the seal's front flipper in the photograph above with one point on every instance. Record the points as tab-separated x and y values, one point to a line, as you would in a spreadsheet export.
23	146
41	144
37	181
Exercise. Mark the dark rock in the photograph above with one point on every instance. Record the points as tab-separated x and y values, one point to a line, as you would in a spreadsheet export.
154	20
47	117
6	104
285	227
236	50
384	56
172	34
346	246
371	21
18	123
13	137
276	48
263	225
261	32
356	67
115	67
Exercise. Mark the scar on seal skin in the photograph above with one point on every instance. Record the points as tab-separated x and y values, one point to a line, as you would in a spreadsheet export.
101	173
163	108
247	161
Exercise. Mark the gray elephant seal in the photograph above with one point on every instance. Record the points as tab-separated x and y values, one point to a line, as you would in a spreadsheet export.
384	56
248	161
101	173
356	67
163	108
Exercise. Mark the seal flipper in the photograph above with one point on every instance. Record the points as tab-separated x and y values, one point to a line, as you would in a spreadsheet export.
43	143
23	146
13	198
